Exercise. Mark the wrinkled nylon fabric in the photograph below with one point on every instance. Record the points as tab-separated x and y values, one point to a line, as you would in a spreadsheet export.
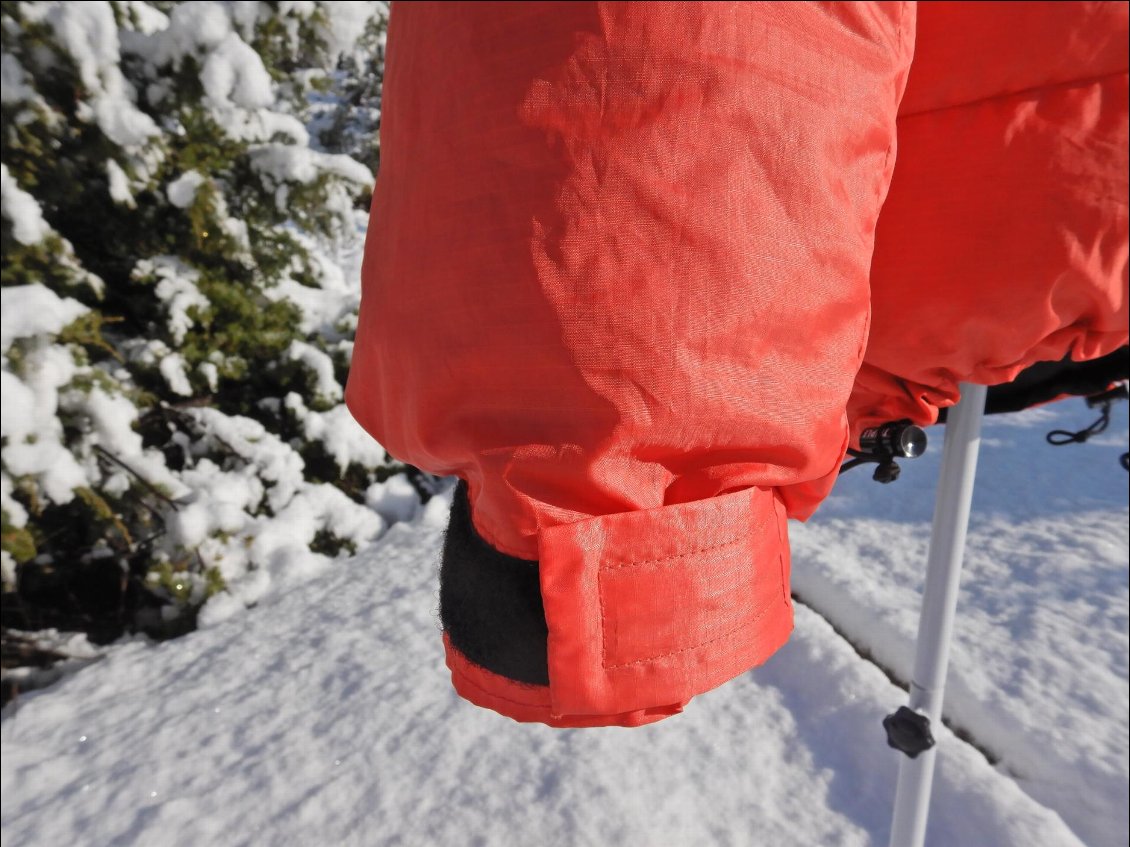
619	279
1003	241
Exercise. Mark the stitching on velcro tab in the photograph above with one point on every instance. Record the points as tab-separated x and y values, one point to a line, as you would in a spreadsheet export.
652	607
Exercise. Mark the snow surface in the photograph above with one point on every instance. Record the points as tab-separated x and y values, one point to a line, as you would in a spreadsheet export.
176	281
232	73
19	207
1039	670
291	163
90	35
326	387
13	81
324	716
120	191
182	191
74	647
29	425
30	310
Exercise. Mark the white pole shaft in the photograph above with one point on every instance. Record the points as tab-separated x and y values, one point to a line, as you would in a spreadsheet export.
939	605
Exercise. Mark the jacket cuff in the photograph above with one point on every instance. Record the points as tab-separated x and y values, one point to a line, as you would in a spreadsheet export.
624	617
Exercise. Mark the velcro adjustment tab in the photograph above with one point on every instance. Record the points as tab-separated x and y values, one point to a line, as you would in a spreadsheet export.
653	607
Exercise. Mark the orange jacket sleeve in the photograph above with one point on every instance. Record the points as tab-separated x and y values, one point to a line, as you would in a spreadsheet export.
616	280
1004	239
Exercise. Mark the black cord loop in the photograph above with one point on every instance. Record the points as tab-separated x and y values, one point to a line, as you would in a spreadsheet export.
1060	437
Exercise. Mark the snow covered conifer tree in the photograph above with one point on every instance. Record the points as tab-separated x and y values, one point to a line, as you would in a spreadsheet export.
180	263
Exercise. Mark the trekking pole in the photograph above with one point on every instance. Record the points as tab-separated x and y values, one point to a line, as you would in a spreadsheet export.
909	729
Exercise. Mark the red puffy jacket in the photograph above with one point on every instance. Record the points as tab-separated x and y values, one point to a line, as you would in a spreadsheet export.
620	274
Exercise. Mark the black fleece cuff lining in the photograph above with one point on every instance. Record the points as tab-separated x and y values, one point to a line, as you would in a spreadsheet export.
490	603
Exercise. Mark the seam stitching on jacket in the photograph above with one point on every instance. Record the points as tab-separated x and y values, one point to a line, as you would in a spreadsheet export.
758	616
615	566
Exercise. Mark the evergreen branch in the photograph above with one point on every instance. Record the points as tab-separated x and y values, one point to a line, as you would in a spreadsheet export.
150	486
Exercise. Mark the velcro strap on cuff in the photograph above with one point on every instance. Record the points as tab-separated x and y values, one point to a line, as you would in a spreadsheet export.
656	606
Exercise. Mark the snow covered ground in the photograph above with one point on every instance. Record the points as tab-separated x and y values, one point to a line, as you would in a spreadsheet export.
1039	670
324	716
